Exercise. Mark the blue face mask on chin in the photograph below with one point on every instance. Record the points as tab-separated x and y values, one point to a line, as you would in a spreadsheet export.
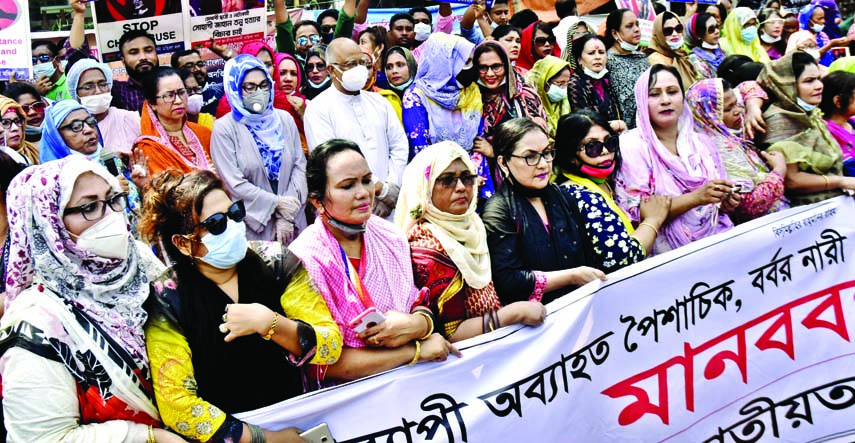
227	249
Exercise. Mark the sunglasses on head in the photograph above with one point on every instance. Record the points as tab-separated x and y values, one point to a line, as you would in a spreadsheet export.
667	31
594	148
216	223
540	41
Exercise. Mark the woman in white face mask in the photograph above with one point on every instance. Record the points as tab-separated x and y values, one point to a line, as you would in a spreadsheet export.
223	305
195	101
549	77
590	87
625	62
257	152
771	32
77	283
89	83
666	47
702	38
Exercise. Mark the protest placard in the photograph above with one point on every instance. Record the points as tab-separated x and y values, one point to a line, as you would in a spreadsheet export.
163	19
15	54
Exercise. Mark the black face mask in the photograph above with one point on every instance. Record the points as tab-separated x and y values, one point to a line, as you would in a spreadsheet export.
467	76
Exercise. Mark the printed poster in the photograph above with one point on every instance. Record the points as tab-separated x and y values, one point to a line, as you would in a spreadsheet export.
163	19
15	53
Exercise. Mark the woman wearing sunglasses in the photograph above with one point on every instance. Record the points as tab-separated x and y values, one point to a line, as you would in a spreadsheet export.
258	154
538	249
537	42
34	108
740	37
317	75
359	262
589	158
665	155
666	47
448	242
702	39
77	369
232	323
14	127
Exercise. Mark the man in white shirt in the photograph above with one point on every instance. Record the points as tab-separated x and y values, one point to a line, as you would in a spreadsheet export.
363	117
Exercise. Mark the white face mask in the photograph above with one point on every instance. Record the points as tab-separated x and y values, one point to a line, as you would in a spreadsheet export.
354	79
627	47
556	94
43	69
422	31
595	75
97	104
805	105
676	45
109	238
817	28
769	39
228	248
194	104
706	45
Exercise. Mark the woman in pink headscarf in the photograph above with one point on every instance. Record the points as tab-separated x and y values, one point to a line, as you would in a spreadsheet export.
665	155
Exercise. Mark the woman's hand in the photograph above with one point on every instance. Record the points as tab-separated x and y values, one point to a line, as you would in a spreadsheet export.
655	208
437	348
844	183
618	125
164	436
397	330
584	274
246	319
729	203
776	161
139	169
290	435
123	182
480	144
712	192
298	104
529	313
841	42
754	122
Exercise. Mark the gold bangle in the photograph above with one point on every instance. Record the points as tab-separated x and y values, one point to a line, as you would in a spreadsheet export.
827	182
417	354
430	324
272	329
655	231
150	436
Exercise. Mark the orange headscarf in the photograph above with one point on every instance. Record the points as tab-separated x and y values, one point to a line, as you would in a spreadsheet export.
162	155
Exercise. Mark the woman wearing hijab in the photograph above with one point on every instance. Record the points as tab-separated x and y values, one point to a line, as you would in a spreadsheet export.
400	68
537	42
739	35
702	38
317	76
794	127
168	140
666	155
448	244
625	62
666	48
76	283
14	129
550	77
444	103
575	31
590	85
290	80
717	113
257	152
812	18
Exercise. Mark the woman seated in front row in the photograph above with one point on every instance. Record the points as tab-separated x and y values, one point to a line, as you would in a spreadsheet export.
589	158
358	262
230	323
436	208
538	249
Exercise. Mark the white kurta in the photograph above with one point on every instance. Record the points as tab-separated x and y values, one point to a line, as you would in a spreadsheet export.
366	119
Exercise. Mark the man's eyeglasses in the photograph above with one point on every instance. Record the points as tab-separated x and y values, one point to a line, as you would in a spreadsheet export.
498	68
304	40
311	67
8	122
249	88
169	97
77	125
191	66
668	30
42	59
90	87
540	41
216	223
594	148
95	210
533	159
450	181
39	107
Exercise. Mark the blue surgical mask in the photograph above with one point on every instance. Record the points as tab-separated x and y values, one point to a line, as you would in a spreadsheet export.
556	94
31	130
403	86
805	105
227	249
627	47
749	34
43	69
817	28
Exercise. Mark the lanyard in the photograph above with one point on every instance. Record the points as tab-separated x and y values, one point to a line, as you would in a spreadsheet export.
353	276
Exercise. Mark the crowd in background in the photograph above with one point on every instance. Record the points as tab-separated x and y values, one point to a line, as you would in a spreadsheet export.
358	198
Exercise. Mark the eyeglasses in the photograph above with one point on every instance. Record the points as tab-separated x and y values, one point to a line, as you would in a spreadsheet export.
191	66
533	159
42	59
540	41
95	210
90	87
39	107
169	97
249	88
327	29
7	122
303	40
450	181
216	223
594	148
196	90
347	66
77	125
712	29
668	30
498	68
312	67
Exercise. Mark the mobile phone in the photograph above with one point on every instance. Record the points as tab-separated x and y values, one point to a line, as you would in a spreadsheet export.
367	319
319	434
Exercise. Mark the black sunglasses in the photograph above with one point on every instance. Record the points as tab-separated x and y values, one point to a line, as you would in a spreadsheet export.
594	148
712	29
216	223
540	41
450	181
667	31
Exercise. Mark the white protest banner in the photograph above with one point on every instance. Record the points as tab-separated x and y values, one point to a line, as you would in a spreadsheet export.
742	337
163	19
15	54
228	26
